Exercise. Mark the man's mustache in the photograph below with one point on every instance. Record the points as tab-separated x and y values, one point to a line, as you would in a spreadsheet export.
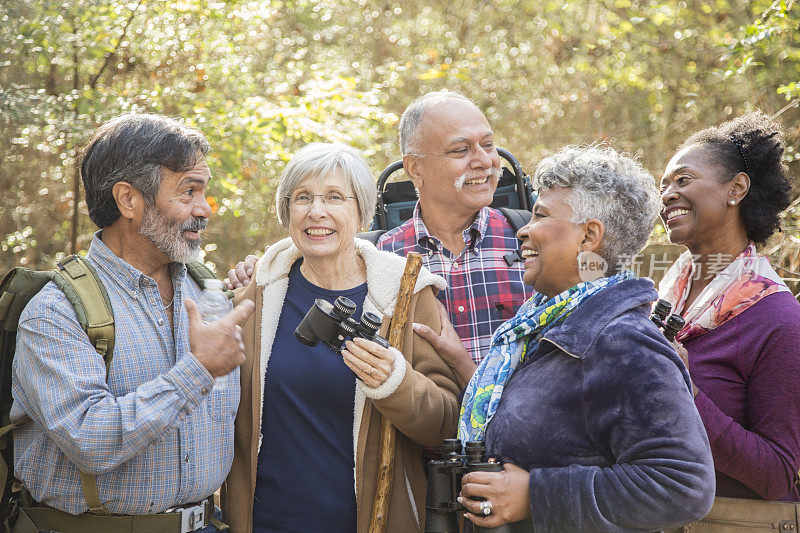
195	224
494	173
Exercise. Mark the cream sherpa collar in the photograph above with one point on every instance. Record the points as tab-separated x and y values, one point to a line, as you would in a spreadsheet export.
384	269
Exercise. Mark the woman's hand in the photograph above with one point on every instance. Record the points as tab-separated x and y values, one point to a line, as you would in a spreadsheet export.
449	347
371	362
507	491
683	353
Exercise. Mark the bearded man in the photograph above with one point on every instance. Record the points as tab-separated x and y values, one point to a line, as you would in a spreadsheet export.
155	433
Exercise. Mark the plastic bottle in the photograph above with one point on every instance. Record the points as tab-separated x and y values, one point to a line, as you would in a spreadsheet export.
214	304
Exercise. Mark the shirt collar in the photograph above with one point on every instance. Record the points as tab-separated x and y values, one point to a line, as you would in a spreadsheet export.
473	235
423	238
478	228
120	270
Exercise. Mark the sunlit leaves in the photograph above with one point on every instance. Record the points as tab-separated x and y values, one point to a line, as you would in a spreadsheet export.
262	78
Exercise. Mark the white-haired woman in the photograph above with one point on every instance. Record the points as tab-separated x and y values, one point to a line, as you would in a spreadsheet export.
308	426
581	396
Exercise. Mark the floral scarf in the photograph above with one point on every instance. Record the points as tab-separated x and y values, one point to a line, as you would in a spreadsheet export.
509	345
742	283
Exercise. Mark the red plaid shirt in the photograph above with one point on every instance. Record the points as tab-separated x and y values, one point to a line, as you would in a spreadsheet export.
482	290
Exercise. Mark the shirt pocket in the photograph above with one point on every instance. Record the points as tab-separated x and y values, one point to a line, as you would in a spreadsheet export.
502	308
223	401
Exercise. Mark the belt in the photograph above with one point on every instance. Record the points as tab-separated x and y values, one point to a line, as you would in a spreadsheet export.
181	519
194	516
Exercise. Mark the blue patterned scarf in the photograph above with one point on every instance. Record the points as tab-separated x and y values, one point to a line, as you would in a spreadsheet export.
508	347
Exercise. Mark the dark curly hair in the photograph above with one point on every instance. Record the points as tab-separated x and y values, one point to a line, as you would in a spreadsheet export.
752	144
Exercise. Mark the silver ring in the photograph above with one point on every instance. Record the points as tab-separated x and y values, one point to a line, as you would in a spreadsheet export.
486	507
371	370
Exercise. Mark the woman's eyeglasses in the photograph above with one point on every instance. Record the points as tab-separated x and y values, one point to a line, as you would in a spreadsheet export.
305	199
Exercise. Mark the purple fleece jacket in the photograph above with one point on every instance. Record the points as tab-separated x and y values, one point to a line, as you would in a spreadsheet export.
601	416
747	372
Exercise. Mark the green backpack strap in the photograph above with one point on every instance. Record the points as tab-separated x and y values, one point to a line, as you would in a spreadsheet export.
79	282
78	279
200	273
84	290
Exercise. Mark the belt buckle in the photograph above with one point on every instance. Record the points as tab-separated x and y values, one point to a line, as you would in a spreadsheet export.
192	518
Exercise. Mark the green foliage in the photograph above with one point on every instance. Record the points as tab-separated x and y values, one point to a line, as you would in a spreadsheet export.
232	69
768	50
262	78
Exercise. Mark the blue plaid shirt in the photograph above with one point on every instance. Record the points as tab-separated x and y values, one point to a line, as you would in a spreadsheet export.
153	433
482	290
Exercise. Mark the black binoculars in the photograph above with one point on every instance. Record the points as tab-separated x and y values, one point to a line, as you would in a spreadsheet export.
330	323
444	485
672	325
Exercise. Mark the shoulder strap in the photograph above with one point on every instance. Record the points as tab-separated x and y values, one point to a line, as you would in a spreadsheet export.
200	273
85	292
371	236
516	217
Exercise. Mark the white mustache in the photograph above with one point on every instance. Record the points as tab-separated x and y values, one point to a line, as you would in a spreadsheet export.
493	173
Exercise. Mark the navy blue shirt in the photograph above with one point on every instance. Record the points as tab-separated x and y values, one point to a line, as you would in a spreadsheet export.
304	478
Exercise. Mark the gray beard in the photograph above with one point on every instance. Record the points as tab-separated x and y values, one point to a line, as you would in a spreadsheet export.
167	235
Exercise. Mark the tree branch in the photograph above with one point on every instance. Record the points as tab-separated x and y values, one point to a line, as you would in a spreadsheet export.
112	53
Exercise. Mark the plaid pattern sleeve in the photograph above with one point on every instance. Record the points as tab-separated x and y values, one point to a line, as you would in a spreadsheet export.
482	290
153	432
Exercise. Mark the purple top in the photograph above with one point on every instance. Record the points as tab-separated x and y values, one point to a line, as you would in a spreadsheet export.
747	372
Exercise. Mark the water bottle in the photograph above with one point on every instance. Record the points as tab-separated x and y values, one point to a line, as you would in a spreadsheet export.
214	304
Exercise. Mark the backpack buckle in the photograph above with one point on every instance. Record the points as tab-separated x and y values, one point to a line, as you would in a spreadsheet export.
72	267
513	257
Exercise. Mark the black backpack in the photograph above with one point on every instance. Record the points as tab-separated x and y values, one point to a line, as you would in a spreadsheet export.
516	217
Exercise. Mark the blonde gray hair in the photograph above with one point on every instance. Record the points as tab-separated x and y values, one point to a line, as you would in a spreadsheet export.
320	160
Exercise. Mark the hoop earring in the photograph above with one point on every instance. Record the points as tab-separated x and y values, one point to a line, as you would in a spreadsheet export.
591	266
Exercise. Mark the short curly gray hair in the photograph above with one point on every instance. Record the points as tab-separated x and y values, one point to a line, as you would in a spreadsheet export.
320	159
607	186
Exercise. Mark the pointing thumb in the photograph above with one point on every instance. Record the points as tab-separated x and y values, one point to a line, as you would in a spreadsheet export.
243	311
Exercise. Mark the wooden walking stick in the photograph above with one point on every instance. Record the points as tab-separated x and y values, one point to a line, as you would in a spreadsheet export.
397	329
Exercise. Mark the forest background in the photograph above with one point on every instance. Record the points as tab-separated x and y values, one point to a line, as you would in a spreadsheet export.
262	78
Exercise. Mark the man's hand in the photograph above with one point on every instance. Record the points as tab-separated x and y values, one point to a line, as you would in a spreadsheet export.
507	491
240	275
448	346
218	345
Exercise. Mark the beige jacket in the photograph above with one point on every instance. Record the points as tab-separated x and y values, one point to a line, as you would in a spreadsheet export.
419	397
